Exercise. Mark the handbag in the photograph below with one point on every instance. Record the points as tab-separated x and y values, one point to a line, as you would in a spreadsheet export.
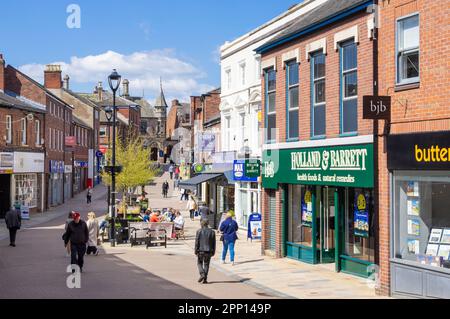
221	238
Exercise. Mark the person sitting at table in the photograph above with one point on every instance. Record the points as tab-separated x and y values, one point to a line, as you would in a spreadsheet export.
147	216
155	218
178	221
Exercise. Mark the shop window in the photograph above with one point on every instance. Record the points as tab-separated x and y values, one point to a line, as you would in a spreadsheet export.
408	50
300	215
421	217
359	224
292	99
26	189
270	105
318	94
349	87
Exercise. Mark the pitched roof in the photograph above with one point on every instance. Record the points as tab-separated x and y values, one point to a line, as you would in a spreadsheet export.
312	19
12	102
161	100
147	110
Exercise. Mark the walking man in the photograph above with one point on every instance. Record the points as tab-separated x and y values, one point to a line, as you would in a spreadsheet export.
13	221
78	235
89	195
205	248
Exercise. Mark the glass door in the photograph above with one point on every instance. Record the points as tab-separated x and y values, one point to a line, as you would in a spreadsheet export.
326	233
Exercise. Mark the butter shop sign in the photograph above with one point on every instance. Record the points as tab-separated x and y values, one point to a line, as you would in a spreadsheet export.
347	166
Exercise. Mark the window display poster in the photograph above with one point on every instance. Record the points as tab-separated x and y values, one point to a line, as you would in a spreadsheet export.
307	210
414	227
430	260
413	246
445	237
444	252
412	189
361	216
432	249
435	236
413	207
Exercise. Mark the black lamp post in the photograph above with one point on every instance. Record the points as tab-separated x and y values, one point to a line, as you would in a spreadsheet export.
109	113
114	83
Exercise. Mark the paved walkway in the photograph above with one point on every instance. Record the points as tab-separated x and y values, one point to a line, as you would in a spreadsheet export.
284	278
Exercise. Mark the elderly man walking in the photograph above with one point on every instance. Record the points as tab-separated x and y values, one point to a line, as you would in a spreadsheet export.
78	235
205	248
13	221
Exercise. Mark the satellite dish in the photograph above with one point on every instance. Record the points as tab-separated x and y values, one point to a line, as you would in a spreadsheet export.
30	117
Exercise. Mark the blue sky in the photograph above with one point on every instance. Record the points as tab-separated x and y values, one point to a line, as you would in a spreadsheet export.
176	39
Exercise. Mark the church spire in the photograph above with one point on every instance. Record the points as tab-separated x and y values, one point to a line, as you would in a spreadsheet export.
161	100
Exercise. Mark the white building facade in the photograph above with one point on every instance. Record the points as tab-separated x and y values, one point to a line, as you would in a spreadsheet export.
241	104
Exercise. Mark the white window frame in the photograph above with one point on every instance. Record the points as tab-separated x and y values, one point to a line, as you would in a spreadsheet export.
399	53
228	78
23	131
38	132
289	87
8	129
343	74
268	93
242	70
243	127
314	55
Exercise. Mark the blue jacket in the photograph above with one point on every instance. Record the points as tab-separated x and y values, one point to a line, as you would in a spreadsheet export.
229	227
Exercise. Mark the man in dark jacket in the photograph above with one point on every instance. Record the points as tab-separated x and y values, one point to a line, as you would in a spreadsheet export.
13	221
78	235
205	248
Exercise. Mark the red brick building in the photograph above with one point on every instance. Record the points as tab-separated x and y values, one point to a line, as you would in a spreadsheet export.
318	160
414	53
21	151
57	121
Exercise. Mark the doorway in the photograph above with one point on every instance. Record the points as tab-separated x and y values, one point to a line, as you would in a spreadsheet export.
326	223
5	194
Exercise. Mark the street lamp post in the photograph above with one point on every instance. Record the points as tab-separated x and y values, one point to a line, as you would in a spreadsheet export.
114	82
109	113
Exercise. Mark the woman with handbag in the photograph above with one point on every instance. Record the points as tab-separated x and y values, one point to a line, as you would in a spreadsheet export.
229	228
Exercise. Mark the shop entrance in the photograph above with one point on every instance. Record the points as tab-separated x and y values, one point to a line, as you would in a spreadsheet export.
5	195
326	222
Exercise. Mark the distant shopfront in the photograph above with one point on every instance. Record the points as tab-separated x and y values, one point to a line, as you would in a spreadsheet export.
419	166
27	180
80	171
328	212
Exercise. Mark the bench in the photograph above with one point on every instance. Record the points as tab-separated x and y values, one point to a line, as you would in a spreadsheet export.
138	233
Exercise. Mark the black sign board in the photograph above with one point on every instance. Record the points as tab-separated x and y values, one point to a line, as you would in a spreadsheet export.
377	107
110	169
422	151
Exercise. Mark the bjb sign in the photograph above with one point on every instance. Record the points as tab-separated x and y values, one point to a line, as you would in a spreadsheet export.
377	107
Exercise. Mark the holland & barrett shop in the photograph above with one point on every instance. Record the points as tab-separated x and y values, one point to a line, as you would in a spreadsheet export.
419	166
329	205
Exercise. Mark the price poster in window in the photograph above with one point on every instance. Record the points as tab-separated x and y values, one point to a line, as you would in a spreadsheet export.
444	252
361	216
413	207
412	189
435	236
432	249
446	237
414	227
307	209
413	246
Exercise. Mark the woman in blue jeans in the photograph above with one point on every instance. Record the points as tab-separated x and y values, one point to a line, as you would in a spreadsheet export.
228	228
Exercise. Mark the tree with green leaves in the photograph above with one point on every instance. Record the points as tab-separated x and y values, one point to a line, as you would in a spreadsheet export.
137	168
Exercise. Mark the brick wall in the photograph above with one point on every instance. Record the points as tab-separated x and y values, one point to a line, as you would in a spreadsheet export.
420	109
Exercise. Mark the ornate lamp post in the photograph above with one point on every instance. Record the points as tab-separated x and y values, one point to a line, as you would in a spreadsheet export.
114	82
109	113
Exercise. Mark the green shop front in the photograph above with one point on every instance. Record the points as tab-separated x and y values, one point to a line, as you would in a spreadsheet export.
328	204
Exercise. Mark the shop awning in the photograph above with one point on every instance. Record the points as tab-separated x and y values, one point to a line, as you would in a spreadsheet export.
197	180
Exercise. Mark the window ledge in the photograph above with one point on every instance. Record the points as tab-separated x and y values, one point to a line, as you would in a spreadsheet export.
323	137
290	140
405	87
348	134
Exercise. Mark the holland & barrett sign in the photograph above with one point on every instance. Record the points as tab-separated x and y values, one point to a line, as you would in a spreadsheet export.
347	166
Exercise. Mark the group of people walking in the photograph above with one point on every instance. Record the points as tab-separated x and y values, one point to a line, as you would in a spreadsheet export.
80	238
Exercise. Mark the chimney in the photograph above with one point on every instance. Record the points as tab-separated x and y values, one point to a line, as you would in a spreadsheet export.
126	88
66	82
52	77
2	73
99	90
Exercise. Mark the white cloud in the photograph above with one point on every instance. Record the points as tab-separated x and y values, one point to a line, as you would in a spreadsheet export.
143	69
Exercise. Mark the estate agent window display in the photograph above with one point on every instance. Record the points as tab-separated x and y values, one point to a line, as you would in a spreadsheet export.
422	217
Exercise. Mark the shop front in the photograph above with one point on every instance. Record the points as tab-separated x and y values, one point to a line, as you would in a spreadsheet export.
247	190
56	182
328	212
6	171
27	181
419	167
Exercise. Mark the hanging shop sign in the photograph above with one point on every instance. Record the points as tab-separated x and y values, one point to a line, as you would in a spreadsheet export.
254	226
345	166
252	168
240	173
377	107
70	141
361	216
199	168
422	151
